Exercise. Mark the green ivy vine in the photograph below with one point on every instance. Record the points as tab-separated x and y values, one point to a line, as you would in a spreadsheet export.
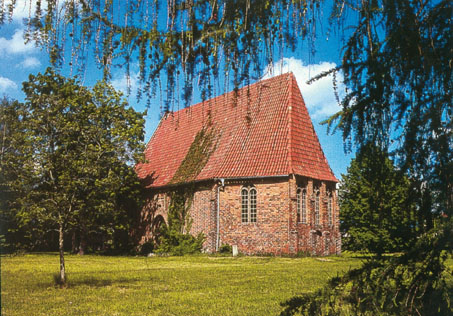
176	238
198	155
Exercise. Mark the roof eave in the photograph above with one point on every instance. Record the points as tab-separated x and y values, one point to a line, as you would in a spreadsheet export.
173	185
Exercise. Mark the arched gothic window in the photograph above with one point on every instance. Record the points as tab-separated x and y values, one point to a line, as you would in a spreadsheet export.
248	204
326	244
301	205
317	207
330	208
245	205
299	200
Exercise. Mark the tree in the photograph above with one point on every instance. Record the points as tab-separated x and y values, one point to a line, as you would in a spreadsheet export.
397	66
13	142
109	141
376	210
78	158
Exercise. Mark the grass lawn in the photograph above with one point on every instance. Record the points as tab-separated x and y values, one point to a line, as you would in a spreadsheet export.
196	285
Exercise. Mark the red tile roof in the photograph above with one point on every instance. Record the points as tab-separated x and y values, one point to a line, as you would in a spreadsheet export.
264	131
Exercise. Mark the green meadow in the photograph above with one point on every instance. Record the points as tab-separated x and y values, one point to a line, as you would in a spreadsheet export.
191	285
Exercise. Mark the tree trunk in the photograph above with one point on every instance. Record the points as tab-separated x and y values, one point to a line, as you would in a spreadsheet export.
61	248
83	242
74	242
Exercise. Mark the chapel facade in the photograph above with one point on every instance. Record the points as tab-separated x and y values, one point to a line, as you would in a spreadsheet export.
256	170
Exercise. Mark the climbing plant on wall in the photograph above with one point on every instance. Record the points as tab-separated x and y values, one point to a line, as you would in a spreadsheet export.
197	156
176	238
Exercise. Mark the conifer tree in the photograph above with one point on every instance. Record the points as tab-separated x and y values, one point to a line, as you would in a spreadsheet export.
376	211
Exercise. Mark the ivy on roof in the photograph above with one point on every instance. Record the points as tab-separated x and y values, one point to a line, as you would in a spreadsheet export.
197	156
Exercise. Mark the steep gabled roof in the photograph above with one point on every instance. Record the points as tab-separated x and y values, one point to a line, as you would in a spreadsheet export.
262	130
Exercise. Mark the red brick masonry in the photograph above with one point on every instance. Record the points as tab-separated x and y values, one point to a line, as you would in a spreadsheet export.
276	230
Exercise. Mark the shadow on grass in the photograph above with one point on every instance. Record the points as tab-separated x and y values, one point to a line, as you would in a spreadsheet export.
92	281
95	283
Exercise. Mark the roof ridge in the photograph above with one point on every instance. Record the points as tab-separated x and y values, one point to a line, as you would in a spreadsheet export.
153	135
315	165
289	136
226	95
322	150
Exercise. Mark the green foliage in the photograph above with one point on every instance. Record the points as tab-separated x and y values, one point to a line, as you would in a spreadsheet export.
175	237
202	40
77	151
147	248
12	143
89	140
376	210
415	283
396	64
197	156
397	68
179	244
225	248
178	210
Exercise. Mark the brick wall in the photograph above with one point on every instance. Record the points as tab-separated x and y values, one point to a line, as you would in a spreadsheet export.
155	210
276	230
322	239
270	232
202	215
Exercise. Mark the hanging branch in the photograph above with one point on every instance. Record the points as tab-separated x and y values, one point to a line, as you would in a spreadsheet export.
188	46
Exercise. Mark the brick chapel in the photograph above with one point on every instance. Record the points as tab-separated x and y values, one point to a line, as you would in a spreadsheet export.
260	179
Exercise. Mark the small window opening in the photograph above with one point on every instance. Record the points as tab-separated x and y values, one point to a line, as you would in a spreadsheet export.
248	205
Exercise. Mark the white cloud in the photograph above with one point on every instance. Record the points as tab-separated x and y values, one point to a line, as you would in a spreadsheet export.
16	45
122	83
25	8
7	84
319	96
30	62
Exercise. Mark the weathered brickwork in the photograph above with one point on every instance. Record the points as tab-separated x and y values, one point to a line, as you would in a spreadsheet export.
318	239
269	234
202	215
277	229
153	215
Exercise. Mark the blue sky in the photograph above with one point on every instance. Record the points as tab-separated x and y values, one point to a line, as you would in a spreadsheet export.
18	60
